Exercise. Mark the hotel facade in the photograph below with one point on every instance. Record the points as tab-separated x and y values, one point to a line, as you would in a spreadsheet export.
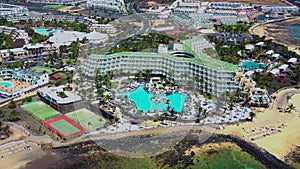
213	76
9	10
35	79
111	5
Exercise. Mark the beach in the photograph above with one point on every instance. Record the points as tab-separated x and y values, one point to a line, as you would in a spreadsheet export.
278	32
20	159
280	143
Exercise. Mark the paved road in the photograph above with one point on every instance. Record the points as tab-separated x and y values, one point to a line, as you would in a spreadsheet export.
281	97
145	22
30	58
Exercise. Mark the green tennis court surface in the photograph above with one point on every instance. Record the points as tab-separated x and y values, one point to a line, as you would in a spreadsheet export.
40	111
42	69
64	127
87	119
54	6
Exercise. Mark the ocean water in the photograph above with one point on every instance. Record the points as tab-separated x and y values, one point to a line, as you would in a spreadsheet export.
295	2
295	31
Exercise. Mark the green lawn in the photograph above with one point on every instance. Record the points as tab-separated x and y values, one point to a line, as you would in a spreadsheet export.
64	127
54	6
40	111
114	85
84	116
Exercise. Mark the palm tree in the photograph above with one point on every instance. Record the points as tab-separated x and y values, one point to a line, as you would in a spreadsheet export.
200	109
12	104
252	115
2	113
107	97
14	116
110	74
139	75
171	76
291	107
97	74
101	93
148	73
274	98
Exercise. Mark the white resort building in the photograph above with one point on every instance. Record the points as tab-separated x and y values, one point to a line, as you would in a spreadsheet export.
186	6
57	2
59	98
15	33
9	10
110	5
215	76
17	82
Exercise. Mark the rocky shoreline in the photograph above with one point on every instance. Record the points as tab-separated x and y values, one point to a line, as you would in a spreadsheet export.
278	32
192	139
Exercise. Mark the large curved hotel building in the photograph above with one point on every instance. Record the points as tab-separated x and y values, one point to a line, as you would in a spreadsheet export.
185	63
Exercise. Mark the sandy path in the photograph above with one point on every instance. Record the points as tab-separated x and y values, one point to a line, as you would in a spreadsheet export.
17	135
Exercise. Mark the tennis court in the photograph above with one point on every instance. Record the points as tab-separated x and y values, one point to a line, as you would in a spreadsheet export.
87	119
64	127
54	6
40	111
43	69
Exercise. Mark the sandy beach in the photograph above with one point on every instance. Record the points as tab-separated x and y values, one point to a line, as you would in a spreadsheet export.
275	30
278	144
20	159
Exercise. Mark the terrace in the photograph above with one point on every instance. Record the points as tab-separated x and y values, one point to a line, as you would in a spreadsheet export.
202	59
14	85
146	99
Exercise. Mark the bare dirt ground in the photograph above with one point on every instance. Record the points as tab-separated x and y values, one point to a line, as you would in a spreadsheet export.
17	135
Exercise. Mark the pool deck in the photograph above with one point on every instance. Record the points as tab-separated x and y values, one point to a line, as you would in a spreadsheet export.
16	85
150	102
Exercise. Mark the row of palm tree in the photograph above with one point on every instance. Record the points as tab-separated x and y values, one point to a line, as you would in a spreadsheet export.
141	74
100	81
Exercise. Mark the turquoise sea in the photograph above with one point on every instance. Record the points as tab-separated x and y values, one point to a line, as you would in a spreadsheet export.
295	31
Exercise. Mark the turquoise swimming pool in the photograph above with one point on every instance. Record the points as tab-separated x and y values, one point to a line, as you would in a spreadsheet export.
249	65
45	31
144	100
6	84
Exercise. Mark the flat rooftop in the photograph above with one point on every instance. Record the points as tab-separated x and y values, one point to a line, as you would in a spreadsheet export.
200	58
53	93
